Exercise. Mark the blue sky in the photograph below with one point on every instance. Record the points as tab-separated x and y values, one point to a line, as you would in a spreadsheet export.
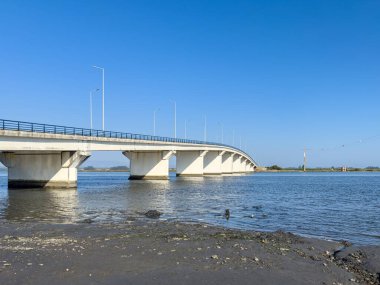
283	74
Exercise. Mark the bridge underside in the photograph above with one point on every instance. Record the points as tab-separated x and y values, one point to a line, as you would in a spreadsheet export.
42	169
49	156
58	169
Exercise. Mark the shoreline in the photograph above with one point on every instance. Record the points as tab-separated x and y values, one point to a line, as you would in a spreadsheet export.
151	251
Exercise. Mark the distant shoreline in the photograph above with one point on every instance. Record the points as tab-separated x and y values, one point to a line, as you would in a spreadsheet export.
258	171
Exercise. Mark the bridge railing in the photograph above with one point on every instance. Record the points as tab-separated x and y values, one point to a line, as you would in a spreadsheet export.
63	130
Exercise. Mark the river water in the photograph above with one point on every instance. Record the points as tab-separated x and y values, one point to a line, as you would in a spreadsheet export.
338	206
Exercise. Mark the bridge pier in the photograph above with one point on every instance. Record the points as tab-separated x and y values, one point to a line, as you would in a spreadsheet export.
236	164
227	163
149	165
43	169
244	166
190	163
213	163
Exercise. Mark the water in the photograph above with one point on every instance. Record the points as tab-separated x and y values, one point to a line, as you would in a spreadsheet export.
326	205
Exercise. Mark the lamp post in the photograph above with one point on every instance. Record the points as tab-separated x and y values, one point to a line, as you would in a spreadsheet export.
205	130
101	68
175	118
185	129
154	121
91	92
221	132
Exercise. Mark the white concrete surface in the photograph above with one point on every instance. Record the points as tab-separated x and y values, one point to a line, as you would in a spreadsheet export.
190	163
236	165
149	164
52	159
227	163
42	169
213	163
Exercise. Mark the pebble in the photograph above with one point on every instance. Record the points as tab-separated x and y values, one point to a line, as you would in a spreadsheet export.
214	256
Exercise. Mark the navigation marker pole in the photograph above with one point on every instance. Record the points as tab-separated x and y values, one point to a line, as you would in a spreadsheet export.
304	160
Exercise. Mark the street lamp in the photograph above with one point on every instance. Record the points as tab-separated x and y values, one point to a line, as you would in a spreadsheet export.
175	118
222	132
185	129
101	68
205	130
92	91
154	120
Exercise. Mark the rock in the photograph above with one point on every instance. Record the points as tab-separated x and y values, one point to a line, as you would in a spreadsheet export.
153	214
214	256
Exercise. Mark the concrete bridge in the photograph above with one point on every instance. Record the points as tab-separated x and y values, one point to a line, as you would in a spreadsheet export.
42	155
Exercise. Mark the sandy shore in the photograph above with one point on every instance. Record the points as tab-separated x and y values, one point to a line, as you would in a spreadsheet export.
154	252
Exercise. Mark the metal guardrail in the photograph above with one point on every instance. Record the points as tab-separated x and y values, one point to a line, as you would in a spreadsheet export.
10	125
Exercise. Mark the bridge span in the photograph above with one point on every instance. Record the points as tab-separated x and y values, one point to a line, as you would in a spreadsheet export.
43	155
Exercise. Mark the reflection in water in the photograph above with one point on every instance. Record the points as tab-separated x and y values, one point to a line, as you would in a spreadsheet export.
145	195
323	204
41	205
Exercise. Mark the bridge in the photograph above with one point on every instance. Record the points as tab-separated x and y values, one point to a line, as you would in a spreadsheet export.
43	155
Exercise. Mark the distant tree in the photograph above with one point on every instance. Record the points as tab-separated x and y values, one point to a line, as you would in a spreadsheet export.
274	167
89	168
122	167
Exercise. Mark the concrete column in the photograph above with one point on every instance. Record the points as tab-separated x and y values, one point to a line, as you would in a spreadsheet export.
43	169
190	163
149	164
227	163
213	163
243	165
236	165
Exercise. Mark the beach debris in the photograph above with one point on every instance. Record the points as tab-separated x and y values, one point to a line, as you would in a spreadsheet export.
256	259
227	214
214	256
153	214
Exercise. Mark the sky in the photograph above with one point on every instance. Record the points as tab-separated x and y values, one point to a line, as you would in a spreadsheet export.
281	75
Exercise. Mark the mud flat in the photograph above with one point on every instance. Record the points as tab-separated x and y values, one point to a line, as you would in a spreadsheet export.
156	252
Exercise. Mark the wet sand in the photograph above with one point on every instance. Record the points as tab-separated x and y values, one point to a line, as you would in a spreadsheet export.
156	252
